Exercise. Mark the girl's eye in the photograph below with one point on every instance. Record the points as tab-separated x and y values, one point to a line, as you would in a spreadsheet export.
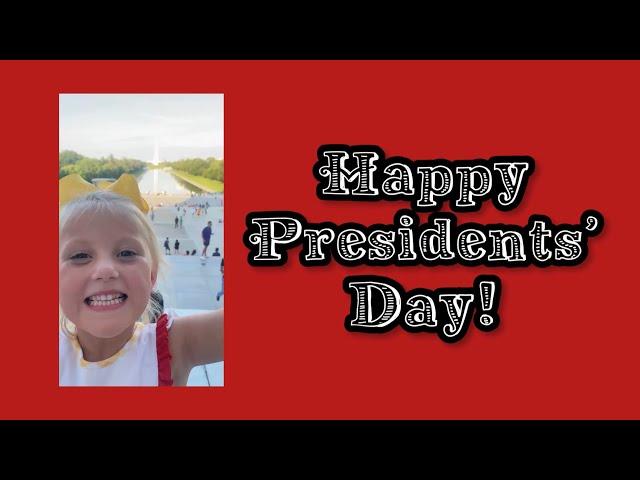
127	253
79	257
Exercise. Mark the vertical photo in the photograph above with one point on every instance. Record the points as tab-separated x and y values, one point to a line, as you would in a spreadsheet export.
141	229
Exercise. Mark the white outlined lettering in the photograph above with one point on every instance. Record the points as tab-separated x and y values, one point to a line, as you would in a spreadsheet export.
439	241
378	304
363	173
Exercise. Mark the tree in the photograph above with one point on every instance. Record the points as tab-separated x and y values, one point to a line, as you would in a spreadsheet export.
90	168
69	156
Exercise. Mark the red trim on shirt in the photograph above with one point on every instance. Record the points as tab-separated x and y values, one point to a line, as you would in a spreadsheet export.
162	350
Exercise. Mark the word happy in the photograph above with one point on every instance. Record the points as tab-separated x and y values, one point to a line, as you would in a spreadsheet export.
363	173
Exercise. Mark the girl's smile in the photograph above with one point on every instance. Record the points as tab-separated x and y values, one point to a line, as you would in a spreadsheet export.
106	301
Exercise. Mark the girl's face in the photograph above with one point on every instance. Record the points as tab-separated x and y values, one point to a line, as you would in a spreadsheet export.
105	274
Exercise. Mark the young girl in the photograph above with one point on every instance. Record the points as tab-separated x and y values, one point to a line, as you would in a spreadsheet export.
108	265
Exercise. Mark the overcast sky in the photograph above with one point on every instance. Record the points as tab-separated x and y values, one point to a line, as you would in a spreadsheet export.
99	125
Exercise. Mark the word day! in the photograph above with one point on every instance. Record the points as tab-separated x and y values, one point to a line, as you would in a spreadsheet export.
378	304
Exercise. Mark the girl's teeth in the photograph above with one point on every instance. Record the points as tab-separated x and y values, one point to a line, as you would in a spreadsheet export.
103	300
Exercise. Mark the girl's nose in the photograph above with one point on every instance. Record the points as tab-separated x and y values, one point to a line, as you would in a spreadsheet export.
105	270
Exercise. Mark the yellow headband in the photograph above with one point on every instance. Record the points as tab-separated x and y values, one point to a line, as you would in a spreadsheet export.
74	186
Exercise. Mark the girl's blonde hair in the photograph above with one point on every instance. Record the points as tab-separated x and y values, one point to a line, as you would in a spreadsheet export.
101	202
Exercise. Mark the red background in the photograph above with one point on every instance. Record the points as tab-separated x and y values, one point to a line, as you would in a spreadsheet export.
566	347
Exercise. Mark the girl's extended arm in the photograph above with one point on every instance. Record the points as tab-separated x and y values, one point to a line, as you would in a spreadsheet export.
199	339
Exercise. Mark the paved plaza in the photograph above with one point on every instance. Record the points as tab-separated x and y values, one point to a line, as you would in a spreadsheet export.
188	284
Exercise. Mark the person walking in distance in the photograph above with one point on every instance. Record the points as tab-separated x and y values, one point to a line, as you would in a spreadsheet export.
206	238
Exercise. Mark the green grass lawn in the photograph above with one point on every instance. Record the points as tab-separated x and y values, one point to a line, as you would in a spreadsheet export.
205	184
